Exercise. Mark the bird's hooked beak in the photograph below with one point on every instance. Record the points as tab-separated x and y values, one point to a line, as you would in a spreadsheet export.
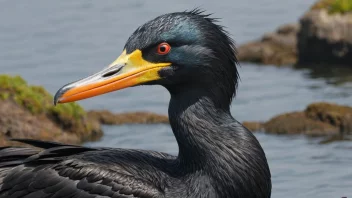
126	71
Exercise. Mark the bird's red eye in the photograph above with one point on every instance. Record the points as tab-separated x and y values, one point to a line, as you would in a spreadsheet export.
163	48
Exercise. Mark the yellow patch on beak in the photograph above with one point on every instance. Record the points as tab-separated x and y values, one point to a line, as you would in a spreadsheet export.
126	71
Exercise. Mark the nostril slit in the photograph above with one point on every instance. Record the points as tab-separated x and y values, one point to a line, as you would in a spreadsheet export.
112	72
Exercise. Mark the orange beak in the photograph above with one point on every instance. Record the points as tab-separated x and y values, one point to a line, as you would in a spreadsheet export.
126	71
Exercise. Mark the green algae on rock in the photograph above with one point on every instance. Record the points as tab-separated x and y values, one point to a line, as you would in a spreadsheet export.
333	6
69	118
35	98
341	6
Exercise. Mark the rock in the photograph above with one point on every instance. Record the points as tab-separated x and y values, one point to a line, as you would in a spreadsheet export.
346	124
106	117
333	114
298	123
323	35
18	123
333	6
317	119
253	126
325	38
289	29
277	48
28	112
322	4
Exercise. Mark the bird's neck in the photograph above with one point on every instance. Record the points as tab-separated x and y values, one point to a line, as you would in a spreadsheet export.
212	142
201	127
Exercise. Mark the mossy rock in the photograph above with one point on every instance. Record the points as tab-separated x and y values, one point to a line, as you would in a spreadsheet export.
298	123
333	6
35	99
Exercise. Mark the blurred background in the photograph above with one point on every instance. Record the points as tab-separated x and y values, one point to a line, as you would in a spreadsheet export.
53	43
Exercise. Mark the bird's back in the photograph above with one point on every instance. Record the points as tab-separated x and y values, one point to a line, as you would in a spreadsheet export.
74	171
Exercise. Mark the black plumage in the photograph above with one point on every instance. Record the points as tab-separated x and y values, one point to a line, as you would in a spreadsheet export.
218	157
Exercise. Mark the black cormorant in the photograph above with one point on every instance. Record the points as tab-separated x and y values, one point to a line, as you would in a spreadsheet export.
194	59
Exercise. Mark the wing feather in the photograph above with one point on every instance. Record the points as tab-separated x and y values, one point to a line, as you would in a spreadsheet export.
57	172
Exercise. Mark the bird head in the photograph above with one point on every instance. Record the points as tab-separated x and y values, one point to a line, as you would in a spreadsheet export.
176	50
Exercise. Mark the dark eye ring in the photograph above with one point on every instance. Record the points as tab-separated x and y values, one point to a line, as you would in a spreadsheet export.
163	48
